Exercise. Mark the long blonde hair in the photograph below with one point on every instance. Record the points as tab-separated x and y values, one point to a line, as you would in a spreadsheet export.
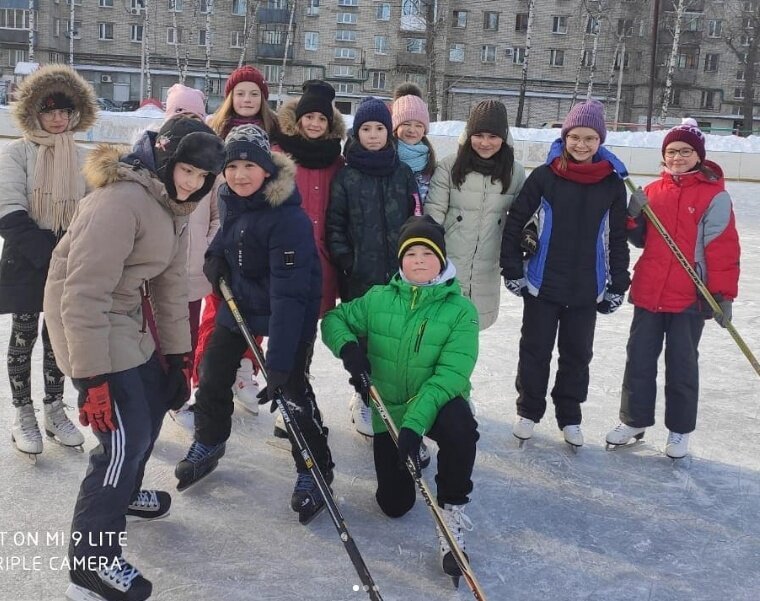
219	120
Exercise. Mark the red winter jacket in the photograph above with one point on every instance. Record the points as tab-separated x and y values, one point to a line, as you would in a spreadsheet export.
696	211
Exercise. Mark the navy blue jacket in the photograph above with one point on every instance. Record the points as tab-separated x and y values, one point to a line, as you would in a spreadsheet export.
275	276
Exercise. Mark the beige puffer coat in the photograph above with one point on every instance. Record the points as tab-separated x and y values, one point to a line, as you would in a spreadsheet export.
473	218
204	223
121	237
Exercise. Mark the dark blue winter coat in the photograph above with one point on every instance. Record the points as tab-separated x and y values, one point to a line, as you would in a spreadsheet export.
275	276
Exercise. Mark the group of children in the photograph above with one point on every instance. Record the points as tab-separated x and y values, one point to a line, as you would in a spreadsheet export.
293	219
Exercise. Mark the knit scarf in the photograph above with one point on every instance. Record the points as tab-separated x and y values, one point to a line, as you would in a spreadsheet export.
483	166
372	162
235	121
312	154
582	173
58	185
414	155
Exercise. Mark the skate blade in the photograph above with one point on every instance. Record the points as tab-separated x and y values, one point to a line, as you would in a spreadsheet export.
574	447
637	439
78	593
136	519
313	516
521	441
79	448
281	434
283	444
183	487
32	457
455	581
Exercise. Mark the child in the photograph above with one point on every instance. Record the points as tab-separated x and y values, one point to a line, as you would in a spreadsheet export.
127	242
691	202
41	187
411	122
370	199
581	267
470	194
246	101
421	346
265	251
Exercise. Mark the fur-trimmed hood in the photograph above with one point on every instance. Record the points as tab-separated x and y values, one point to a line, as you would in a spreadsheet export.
104	166
289	124
48	80
280	188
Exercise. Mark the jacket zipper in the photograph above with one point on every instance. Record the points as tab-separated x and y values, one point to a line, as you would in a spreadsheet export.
240	248
420	334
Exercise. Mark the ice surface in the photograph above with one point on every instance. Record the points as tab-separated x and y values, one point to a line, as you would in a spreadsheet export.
627	525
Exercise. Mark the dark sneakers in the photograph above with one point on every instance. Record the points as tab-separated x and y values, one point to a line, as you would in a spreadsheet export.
149	505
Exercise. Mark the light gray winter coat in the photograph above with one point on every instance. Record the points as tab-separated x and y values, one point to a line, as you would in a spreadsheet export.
473	218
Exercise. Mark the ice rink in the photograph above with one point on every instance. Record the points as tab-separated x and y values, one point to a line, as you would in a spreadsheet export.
626	525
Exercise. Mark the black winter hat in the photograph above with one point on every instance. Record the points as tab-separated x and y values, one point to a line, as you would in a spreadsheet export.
184	139
317	97
489	116
57	100
426	231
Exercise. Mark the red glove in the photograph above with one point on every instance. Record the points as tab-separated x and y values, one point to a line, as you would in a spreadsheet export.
178	380
95	403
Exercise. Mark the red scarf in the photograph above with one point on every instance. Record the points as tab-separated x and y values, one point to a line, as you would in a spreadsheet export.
582	173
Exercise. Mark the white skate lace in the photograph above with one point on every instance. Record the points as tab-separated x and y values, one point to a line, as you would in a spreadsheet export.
675	438
121	576
457	521
59	419
29	427
146	498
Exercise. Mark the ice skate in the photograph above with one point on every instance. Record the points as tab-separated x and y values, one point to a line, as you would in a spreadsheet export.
573	436
184	416
149	505
25	433
118	582
522	430
306	500
622	435
200	461
424	455
279	427
246	388
60	429
361	416
677	445
457	521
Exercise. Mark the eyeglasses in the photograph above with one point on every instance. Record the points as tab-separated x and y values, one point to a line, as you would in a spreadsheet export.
684	152
587	140
55	113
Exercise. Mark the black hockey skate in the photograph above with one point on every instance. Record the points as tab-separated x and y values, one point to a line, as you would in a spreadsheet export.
200	461
307	501
118	582
149	505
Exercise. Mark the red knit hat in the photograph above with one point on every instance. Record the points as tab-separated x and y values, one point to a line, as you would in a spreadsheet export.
689	133
246	73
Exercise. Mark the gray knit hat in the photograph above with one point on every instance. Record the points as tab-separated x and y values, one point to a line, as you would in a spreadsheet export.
488	116
249	143
586	114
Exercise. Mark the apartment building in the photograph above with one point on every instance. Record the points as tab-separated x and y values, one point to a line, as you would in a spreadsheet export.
470	49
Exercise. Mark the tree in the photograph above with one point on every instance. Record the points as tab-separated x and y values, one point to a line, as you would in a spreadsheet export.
251	12
435	11
524	75
744	42
667	94
206	73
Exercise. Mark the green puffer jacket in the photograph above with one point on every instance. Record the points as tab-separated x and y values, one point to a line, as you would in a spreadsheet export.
422	345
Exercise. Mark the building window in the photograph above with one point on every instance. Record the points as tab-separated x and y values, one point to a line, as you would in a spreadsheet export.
343	71
105	3
105	31
378	80
273	36
739	93
311	40
348	2
272	72
459	19
349	18
556	58
347	53
675	97
381	44
14	19
708	99
559	24
625	60
692	22
279	4
488	53
410	8
383	12
592	25
173	36
175	6
135	6
239	7
16	56
312	73
518	56
345	35
204	7
237	39
687	61
77	33
714	28
203	38
55	57
456	53
491	21
416	45
345	88
587	59
312	8
56	27
741	74
625	27
521	22
135	33
711	62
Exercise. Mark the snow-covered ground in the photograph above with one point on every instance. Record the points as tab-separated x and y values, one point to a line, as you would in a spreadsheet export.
548	524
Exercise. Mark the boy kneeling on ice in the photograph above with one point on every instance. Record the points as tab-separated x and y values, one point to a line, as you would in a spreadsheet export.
422	344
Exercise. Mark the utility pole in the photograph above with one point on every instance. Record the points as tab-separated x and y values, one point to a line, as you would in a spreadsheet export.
653	63
285	54
31	30
619	86
72	33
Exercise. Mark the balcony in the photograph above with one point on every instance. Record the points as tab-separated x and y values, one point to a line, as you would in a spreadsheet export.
14	36
411	62
681	77
273	15
273	51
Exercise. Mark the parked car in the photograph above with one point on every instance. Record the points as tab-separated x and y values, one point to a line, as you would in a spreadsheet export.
107	105
130	105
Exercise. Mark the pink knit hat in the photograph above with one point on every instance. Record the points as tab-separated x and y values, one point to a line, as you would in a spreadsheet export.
184	100
410	108
586	114
689	133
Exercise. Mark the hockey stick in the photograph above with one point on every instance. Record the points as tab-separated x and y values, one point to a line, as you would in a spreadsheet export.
456	552
368	584
655	221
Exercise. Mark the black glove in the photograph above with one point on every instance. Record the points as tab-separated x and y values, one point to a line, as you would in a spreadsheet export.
178	380
611	302
409	448
529	239
637	202
216	268
356	363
